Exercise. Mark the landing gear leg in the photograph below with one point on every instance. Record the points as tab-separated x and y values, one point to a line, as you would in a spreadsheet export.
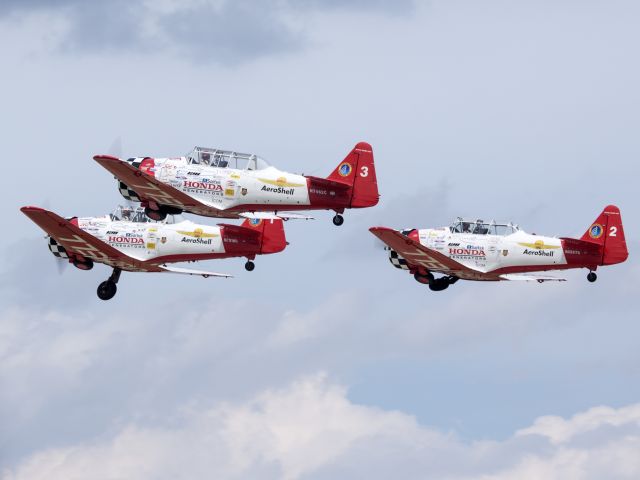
338	220
108	288
249	266
592	277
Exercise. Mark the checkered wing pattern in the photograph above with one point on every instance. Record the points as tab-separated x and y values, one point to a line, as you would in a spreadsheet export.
57	249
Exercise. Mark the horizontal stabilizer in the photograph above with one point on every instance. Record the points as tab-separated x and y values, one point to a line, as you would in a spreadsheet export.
239	230
319	182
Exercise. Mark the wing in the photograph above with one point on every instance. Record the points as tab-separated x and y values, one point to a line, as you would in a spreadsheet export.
418	255
275	216
148	188
77	242
187	271
530	278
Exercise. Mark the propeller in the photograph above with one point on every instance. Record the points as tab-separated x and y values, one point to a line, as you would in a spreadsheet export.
116	150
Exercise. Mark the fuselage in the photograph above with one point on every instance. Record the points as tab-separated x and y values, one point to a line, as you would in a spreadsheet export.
233	189
494	255
144	241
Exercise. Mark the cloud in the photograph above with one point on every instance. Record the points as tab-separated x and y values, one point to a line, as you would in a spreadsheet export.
310	429
204	31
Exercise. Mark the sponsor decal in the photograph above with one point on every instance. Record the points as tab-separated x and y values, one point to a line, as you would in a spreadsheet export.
193	173
230	188
255	222
538	245
281	190
281	182
203	186
345	169
243	191
505	253
454	244
151	245
596	230
126	240
200	241
197	233
467	253
235	176
539	253
163	240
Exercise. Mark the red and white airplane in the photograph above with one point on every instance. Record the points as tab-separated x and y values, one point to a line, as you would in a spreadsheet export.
219	183
477	250
127	240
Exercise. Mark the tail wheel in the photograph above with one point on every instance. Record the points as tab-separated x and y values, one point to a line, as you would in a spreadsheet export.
592	277
338	220
157	215
106	290
249	266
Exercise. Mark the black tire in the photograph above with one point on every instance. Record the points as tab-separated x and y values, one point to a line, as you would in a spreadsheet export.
423	279
592	277
106	290
157	215
338	220
439	284
249	266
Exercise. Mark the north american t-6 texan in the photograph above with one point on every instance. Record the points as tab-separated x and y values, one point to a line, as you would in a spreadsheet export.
128	241
491	251
221	183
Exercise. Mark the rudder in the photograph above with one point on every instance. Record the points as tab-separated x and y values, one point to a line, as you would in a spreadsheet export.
272	238
359	171
608	232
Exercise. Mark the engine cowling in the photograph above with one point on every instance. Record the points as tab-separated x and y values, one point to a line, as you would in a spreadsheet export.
57	249
127	193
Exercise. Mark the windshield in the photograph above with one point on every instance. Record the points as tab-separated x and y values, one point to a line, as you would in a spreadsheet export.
479	227
225	159
136	214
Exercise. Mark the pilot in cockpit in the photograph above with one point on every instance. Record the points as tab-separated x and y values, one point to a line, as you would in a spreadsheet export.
127	213
466	227
204	158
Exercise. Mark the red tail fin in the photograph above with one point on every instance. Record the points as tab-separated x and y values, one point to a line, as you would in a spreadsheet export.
607	231
272	238
358	170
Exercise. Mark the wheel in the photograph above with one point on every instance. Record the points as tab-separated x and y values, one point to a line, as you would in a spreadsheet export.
338	220
424	279
86	265
157	215
592	277
106	290
249	266
439	285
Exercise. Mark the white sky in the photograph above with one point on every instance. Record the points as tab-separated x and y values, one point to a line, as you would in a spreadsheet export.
325	361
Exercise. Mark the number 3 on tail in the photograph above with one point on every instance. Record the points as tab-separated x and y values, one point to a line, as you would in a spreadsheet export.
364	171
613	231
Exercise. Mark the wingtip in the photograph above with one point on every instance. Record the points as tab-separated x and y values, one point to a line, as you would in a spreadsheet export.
29	208
107	158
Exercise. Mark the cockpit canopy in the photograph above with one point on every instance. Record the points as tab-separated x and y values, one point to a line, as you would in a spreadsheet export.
480	227
135	214
225	159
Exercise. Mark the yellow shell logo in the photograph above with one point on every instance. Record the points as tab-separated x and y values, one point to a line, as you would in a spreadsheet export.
281	181
539	244
197	232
